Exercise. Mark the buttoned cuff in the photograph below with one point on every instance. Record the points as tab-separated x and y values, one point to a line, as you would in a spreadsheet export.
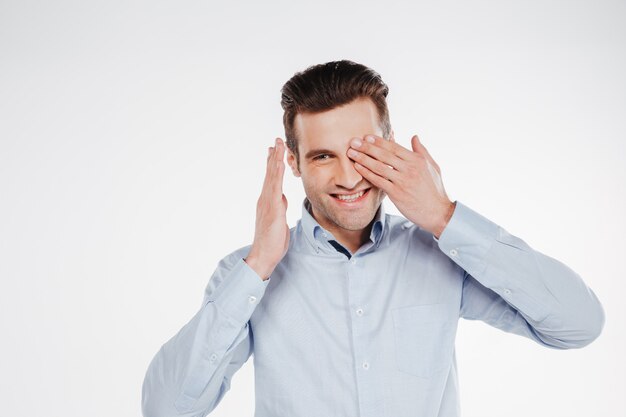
467	238
240	292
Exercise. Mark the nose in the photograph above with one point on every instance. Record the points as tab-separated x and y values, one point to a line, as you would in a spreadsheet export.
346	175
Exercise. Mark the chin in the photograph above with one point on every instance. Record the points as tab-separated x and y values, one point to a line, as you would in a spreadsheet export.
354	227
352	222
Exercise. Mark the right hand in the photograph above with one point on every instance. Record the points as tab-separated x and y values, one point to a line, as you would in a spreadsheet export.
271	235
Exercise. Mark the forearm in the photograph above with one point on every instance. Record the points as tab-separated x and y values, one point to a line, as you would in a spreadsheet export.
552	298
187	364
188	373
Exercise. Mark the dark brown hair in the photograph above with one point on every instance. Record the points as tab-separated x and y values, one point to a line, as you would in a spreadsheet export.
323	87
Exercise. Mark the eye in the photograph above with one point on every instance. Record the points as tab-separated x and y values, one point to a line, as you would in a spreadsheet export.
319	157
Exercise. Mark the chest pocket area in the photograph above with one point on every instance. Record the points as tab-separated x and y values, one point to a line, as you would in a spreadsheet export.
424	338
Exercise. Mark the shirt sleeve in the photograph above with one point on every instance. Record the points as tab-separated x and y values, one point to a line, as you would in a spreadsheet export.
192	371
515	288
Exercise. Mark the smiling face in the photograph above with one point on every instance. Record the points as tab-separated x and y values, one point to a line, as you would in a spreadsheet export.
326	170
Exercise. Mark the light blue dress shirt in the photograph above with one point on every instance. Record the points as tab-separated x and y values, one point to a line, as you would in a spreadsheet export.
369	334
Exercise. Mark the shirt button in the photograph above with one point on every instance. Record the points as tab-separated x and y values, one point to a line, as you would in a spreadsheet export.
252	299
453	252
213	357
507	291
366	365
359	312
353	260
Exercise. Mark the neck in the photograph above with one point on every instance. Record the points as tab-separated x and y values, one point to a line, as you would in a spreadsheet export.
352	239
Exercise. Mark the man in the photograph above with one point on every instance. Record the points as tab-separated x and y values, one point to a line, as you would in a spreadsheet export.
353	312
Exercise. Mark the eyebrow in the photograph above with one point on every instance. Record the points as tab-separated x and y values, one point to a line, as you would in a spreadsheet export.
314	152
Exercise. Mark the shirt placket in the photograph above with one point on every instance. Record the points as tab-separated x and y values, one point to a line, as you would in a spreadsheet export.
365	366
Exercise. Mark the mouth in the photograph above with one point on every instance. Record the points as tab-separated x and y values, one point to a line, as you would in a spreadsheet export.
353	200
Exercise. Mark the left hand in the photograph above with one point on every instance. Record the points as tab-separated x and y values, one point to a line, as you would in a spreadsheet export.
411	179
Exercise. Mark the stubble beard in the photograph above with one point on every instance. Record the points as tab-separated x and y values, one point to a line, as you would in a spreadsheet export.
347	219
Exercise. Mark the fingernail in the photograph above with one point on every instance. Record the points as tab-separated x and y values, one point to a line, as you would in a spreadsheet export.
356	142
277	141
369	138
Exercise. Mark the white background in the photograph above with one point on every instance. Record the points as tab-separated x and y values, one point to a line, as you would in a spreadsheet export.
133	138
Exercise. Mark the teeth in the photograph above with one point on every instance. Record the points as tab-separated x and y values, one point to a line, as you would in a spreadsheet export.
351	197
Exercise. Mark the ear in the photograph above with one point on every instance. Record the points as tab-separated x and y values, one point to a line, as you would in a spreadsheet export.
291	160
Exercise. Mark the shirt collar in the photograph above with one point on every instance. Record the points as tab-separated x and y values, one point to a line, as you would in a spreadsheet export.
319	237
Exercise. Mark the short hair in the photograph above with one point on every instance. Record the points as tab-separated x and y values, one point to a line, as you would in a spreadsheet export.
326	86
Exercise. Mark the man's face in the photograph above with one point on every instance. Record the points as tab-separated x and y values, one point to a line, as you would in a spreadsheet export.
326	170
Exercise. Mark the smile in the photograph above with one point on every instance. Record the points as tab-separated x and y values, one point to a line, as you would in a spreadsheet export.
351	199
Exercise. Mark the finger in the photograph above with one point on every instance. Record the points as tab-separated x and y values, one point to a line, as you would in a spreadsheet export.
277	184
270	153
379	151
390	146
417	146
374	165
268	169
375	179
279	169
280	151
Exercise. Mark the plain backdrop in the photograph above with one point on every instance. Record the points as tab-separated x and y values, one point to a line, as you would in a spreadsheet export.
133	138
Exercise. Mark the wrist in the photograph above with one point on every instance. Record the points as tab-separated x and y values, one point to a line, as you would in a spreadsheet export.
263	270
445	219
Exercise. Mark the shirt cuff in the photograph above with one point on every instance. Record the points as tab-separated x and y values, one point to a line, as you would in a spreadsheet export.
240	292
467	238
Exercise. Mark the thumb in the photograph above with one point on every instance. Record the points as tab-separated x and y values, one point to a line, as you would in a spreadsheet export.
418	147
415	144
